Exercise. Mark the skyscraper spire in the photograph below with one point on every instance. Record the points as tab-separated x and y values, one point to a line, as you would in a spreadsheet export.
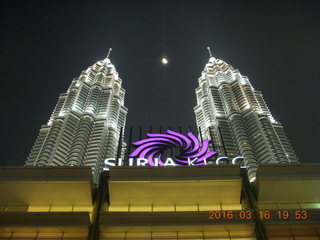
210	53
110	49
235	116
86	123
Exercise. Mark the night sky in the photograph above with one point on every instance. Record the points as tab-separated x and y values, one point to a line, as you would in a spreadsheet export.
45	44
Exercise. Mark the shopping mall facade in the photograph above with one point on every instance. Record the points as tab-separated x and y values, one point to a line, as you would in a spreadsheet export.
185	202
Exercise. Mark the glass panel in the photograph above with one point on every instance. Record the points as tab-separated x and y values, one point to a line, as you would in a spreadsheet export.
167	208
139	235
216	234
242	233
164	235
46	235
187	208
75	235
280	238
113	235
24	234
113	208
49	238
135	238
82	208
250	238
38	208
306	238
61	209
140	208
17	208
219	238
190	238
267	206
22	238
236	206
7	234
288	206
310	205
209	207
190	235
304	232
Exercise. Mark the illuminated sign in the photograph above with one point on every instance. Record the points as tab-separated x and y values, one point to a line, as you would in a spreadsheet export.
151	151
153	147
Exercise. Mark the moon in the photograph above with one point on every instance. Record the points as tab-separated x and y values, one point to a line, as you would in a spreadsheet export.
164	61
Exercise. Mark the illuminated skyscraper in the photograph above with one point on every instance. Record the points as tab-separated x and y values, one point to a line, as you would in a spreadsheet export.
235	116
86	123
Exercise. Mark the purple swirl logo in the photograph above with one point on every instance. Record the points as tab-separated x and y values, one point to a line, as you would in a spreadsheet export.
190	149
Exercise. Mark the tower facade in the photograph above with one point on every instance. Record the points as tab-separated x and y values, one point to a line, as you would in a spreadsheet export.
235	116
86	123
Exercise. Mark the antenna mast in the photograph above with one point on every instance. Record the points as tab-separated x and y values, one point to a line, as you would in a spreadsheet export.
210	53
110	49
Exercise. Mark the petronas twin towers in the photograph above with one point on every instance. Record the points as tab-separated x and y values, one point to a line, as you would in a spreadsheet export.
86	123
88	120
235	116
